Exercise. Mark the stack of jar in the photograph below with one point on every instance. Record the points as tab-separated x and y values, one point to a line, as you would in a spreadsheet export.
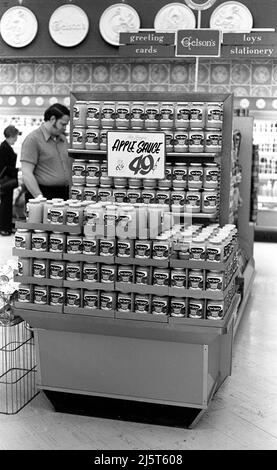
189	127
193	187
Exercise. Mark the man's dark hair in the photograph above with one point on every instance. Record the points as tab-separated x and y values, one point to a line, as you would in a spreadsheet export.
11	131
58	110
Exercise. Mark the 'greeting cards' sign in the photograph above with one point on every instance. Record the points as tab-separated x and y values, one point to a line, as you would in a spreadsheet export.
136	154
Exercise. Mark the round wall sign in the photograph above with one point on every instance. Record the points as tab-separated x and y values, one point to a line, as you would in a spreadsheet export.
200	4
68	25
18	26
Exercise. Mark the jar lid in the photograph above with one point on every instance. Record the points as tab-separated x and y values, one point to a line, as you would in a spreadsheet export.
91	185
22	230
39	231
34	201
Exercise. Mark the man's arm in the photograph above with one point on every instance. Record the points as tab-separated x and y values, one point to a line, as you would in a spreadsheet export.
29	179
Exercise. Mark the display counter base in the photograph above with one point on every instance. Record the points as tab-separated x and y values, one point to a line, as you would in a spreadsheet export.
124	410
265	234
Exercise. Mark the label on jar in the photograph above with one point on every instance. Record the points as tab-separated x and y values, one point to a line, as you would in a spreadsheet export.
142	275
179	174
56	216
56	270
196	280
160	305
103	140
195	174
193	199
73	216
214	282
215	310
197	252
24	294
213	141
211	175
93	169
91	299
73	272
92	139
178	307
147	197
163	197
142	249
125	274
56	243
133	196
152	115
73	298
78	169
160	250
107	247
195	309
182	115
104	194
124	302
90	272
56	296
213	254
40	295
107	301
214	115
196	141
123	248
20	241
122	115
119	195
181	141
160	277
107	273
93	113
76	194
137	115
39	242
169	140
39	268
196	113
74	245
210	200
78	137
178	278
166	115
89	246
90	194
142	304
178	198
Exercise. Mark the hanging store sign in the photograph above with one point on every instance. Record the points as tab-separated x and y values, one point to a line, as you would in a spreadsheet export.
198	43
147	37
144	50
250	39
248	52
136	154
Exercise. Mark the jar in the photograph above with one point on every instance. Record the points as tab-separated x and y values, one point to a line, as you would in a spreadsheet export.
182	115
148	196
24	293
46	210
166	115
57	242
111	216
195	176
215	280
160	277
181	141
196	141
74	244
122	115
215	309
73	298
125	248
79	171
56	296
92	139
214	116
93	169
93	114
142	303
90	246
120	181
178	307
108	114
213	140
196	279
196	308
103	139
107	273
193	201
179	176
56	269
159	305
197	249
124	302
214	250
79	113
209	201
137	115
90	272
149	183
57	213
178	198
78	137
134	183
163	196
169	140
74	214
22	239
34	211
104	193
161	247
24	267
91	193
211	176
143	249
119	194
107	301
39	240
166	182
73	271
151	115
39	268
178	278
197	115
142	275
125	274
107	247
90	299
133	196
76	195
40	295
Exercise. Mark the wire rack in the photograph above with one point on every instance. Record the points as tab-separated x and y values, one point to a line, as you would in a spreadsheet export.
17	364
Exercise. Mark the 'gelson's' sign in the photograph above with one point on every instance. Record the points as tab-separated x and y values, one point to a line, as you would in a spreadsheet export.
198	43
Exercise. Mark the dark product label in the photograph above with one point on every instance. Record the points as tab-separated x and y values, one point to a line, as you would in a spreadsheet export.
56	244
160	278
73	217
107	274
124	303
213	140
162	197
133	197
73	299
78	170
210	201
196	114
93	170
195	310
110	219
193	199
147	197
90	194
178	279
20	268
119	196
39	269
75	194
90	273
180	174
24	295
178	198
160	251
122	113
103	194
214	283
142	250
181	140
77	137
89	247
123	249
92	137
142	276
183	114
56	271
215	311
106	301
195	175
93	112
166	113
108	113
213	254
90	300
142	305
178	308
74	245
197	253
125	275
106	248
56	217
196	140
215	114
56	298
20	242
212	175
39	243
160	306
73	273
151	114
40	296
195	282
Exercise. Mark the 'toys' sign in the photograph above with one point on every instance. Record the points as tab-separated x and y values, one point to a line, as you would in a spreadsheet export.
200	4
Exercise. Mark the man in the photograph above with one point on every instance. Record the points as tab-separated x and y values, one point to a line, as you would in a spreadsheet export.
46	167
8	171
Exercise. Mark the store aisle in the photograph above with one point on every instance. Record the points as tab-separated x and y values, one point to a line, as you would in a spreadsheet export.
242	415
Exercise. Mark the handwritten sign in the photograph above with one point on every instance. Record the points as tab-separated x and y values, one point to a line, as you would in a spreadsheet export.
136	154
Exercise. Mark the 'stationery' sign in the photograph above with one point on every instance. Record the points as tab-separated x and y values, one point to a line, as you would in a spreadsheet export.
136	154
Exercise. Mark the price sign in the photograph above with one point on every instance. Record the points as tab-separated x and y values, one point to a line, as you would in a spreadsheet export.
136	154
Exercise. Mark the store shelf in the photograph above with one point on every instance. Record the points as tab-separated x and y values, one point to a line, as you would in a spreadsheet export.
88	312
88	258
36	254
49	227
39	281
142	317
105	286
142	262
82	153
21	307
